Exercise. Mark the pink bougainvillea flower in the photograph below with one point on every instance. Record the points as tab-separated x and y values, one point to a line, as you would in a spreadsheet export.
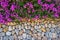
44	16
13	7
45	6
39	1
31	5
33	10
54	9
56	15
28	10
25	6
36	16
48	0
28	3
4	4
58	8
9	19
51	5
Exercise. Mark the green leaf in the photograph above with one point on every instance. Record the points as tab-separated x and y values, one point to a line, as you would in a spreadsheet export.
49	15
43	0
24	10
36	5
45	12
17	10
21	3
41	13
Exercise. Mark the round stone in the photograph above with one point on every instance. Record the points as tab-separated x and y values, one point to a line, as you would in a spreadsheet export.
20	27
2	34
49	25
44	38
54	35
25	24
24	35
1	38
29	27
36	27
43	29
6	38
10	28
47	34
46	25
27	31
1	29
39	26
5	29
11	38
13	32
33	38
47	29
3	26
29	37
28	23
16	30
50	34
34	31
49	38
8	33
52	30
20	37
53	26
43	34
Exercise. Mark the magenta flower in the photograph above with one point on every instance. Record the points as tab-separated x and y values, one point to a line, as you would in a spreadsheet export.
25	6
9	19
36	16
39	1
33	10
28	10
56	15
4	4
48	0
28	3
58	8
54	9
45	6
13	7
44	16
31	5
51	6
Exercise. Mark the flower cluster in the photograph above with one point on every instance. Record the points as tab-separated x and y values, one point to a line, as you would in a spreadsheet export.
10	10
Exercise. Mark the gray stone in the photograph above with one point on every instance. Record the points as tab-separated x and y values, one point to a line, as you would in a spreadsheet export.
27	31
17	30
10	28
44	38
52	30
49	39
11	38
1	29
3	26
24	35
36	27
1	38
50	34
2	34
8	33
29	37
20	27
20	37
33	38
6	38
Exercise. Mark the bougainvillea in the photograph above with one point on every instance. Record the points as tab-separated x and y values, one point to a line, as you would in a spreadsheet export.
11	10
